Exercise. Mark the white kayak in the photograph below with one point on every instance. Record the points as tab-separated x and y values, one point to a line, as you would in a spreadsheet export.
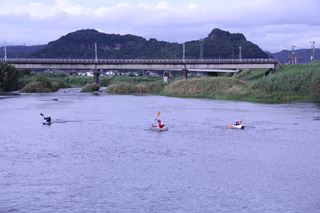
156	128
232	126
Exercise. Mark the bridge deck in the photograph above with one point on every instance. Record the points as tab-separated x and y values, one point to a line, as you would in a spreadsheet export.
137	61
142	64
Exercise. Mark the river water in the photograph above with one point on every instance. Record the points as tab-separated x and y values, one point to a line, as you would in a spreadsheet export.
99	156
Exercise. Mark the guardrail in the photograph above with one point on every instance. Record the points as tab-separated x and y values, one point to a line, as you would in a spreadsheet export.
137	61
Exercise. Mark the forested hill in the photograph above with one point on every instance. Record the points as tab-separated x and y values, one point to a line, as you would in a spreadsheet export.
80	44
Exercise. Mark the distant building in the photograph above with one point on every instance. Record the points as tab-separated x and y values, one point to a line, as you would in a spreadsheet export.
110	73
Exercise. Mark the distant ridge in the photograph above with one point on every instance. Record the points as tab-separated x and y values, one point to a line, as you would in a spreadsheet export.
20	51
80	44
303	55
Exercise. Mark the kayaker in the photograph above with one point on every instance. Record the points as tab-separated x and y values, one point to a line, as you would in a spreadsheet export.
48	119
159	123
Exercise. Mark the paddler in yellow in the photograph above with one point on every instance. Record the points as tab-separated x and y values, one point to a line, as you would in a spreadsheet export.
159	122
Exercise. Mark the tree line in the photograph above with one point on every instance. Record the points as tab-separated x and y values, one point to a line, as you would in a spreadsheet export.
8	77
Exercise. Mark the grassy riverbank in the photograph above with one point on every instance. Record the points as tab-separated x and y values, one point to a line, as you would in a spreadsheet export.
50	82
135	85
289	83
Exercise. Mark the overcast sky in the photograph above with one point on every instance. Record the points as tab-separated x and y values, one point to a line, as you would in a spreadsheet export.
274	25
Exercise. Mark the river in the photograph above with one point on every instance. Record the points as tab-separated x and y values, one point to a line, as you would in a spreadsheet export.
100	156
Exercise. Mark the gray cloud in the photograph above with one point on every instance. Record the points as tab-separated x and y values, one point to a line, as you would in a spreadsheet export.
273	25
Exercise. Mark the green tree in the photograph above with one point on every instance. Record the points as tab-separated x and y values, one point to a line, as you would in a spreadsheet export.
8	77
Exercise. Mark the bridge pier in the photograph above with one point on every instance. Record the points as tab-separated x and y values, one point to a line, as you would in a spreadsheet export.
270	71
166	77
96	75
184	74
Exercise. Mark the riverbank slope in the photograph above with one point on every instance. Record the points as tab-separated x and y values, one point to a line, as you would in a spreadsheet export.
289	83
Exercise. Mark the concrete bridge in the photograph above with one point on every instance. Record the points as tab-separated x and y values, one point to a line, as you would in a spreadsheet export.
183	65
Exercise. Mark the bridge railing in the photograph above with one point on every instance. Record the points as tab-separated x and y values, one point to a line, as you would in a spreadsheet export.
137	61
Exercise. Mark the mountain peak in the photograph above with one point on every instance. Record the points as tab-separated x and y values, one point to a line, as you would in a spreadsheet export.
86	31
83	32
218	34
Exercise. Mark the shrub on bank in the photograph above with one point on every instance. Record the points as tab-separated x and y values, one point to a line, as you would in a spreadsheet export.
59	83
127	88
91	87
41	83
156	87
78	80
134	79
207	88
135	88
36	86
315	87
8	77
105	81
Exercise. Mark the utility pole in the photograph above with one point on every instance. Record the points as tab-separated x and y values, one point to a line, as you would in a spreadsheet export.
240	53
95	52
24	50
96	72
184	52
201	48
312	50
184	70
5	51
293	55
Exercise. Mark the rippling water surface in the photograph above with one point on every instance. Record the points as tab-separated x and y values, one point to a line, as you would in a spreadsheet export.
99	156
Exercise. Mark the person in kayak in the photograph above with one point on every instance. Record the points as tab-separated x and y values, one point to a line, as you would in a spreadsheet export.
159	123
237	123
48	119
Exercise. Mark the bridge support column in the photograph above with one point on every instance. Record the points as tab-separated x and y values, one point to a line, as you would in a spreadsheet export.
96	75
166	77
184	74
270	71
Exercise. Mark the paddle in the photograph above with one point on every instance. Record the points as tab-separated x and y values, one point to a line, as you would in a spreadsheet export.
43	118
157	115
